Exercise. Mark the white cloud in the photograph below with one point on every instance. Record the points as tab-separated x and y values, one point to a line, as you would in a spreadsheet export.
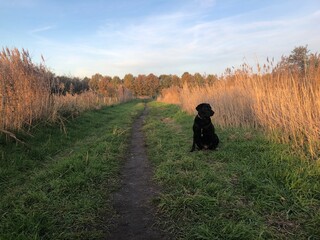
181	41
41	29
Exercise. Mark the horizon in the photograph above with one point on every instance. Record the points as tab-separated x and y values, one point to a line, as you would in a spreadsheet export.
81	38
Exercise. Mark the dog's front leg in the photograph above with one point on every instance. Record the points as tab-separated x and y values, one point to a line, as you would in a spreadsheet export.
197	143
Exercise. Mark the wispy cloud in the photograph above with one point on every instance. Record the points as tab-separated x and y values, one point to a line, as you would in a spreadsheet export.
180	41
41	29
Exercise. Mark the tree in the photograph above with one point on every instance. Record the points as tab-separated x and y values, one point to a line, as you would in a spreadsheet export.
116	80
298	60
152	85
210	79
128	81
139	85
187	78
63	85
107	87
165	81
176	81
198	79
299	57
94	82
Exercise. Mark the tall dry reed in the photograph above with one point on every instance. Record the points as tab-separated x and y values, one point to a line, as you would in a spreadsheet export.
285	103
73	105
170	95
24	90
26	94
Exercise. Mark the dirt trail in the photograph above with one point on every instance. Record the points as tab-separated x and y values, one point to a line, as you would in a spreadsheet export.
133	201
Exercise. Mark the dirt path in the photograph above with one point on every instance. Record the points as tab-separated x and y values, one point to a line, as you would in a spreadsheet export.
133	201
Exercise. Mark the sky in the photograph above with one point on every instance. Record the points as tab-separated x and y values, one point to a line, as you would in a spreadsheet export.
79	38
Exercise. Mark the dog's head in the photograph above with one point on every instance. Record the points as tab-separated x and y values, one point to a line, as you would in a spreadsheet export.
204	110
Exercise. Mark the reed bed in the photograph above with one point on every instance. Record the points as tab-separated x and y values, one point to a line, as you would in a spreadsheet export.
73	105
170	95
26	95
285	103
24	90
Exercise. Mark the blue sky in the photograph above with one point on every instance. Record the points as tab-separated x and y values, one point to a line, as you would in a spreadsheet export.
81	38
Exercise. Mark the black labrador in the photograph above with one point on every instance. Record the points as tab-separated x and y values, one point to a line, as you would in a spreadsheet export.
204	136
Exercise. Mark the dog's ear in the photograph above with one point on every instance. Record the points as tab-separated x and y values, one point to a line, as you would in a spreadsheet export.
208	105
198	108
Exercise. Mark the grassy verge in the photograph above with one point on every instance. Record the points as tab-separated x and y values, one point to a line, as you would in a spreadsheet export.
249	189
58	187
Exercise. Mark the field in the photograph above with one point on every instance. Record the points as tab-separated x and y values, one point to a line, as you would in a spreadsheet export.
102	133
250	188
58	186
284	103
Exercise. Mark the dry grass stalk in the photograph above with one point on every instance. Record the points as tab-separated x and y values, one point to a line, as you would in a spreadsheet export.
73	105
25	95
284	103
170	95
24	90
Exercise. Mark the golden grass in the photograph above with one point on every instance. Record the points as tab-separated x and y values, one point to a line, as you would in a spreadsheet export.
284	103
24	90
170	95
26	97
73	105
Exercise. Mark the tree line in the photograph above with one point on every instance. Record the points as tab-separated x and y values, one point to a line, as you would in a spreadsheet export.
151	85
141	85
28	90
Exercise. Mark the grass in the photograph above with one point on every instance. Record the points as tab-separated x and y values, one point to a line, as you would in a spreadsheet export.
249	188
284	103
58	186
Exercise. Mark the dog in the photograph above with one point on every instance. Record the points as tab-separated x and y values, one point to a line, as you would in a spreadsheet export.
204	136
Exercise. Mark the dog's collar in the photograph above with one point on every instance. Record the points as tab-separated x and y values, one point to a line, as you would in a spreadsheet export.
199	116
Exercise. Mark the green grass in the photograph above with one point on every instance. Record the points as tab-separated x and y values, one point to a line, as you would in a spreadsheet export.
58	187
249	188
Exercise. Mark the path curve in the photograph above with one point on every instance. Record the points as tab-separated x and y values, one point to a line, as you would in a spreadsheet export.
133	201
